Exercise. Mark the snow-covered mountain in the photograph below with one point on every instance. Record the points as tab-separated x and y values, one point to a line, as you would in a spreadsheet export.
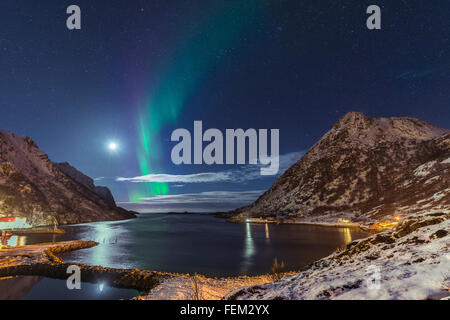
364	168
32	185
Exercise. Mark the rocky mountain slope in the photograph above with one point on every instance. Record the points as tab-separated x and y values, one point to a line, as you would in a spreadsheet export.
365	169
32	185
88	182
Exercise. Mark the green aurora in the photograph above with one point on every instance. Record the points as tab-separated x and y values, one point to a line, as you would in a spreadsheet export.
191	62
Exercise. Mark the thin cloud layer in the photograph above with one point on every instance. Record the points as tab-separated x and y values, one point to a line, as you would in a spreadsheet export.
184	178
243	173
210	201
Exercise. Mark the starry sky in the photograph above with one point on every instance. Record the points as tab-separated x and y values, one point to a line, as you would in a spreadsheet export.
137	70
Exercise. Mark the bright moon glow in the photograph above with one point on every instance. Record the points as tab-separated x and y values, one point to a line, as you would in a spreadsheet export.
112	146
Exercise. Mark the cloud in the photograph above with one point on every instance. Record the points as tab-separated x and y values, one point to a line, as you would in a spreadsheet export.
241	174
210	201
186	178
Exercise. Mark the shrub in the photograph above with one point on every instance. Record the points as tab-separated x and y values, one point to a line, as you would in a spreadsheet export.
277	270
196	292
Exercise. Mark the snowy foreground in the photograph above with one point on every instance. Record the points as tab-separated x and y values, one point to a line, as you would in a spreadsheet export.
411	261
183	287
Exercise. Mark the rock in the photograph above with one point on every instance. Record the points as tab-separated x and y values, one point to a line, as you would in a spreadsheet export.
439	234
33	186
106	195
88	182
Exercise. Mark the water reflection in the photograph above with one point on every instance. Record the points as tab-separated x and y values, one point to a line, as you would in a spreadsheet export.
105	236
347	235
267	233
13	288
201	244
38	288
249	249
15	241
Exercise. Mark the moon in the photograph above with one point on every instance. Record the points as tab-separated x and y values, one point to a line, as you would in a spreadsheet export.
112	146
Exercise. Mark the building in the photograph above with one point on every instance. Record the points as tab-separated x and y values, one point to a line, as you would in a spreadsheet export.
13	223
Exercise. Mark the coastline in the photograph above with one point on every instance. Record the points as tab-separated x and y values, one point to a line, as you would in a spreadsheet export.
420	245
351	225
419	235
43	260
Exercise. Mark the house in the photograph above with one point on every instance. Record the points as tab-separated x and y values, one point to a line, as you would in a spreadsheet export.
13	223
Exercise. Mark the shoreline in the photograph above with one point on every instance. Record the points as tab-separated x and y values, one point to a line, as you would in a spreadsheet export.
420	247
153	285
417	237
352	225
21	232
42	260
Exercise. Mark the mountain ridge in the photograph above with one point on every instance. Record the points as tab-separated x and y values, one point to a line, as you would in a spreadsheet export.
33	186
360	169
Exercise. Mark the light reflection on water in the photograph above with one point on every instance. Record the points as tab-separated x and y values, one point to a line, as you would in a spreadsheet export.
104	234
249	249
200	243
15	241
347	235
41	288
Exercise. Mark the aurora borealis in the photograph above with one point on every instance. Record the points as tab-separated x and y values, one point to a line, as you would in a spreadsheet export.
137	70
193	59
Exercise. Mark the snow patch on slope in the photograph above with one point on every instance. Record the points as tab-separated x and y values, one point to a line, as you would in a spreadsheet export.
424	169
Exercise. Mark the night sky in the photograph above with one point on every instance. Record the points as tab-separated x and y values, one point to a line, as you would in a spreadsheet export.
137	70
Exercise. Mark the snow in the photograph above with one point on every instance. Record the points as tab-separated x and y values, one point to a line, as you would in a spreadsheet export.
406	183
424	169
181	287
437	196
414	266
366	131
25	156
432	179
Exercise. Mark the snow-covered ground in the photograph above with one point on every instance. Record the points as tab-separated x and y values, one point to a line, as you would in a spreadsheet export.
183	287
411	261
